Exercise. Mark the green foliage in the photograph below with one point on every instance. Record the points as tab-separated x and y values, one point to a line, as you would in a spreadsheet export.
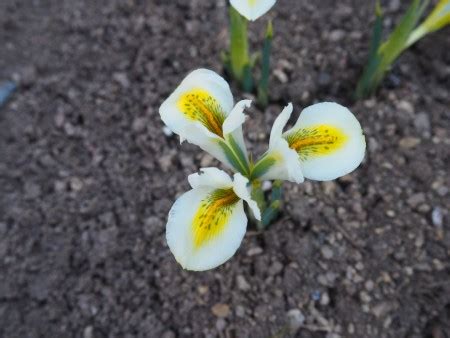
382	55
263	86
239	60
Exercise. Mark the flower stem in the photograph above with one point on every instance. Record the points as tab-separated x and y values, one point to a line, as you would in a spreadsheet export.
239	61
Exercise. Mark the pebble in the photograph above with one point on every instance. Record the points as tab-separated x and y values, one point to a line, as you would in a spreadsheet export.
75	183
242	283
169	334
416	199
139	124
337	35
405	106
325	299
240	311
122	79
295	319
254	251
221	324
369	285
165	161
220	310
422	124
206	161
437	217
275	268
409	142
88	332
364	296
280	75
327	252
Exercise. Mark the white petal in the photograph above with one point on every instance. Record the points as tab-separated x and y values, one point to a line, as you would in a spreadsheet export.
211	252
241	189
237	117
252	9
279	124
200	79
286	163
210	177
345	158
233	124
207	141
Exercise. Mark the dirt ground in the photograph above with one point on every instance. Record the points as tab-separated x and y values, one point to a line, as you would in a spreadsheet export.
87	177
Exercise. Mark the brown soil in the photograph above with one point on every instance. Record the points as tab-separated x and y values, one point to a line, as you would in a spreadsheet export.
87	177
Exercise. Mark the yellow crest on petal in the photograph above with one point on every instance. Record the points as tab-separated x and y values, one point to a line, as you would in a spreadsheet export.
213	215
316	140
199	105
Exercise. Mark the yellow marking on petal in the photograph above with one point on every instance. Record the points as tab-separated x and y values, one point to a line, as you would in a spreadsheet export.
213	215
319	140
199	105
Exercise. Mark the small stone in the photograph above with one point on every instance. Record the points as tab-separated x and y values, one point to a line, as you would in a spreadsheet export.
169	334
240	311
369	285
206	161
337	35
325	299
295	319
327	252
122	79
242	283
221	324
76	184
351	328
280	75
364	296
405	106
437	217
165	161
416	199
409	142
254	251
88	332
422	123
139	124
220	310
202	289
275	268
390	213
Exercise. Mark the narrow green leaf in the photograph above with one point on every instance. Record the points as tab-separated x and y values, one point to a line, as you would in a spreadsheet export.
263	86
262	166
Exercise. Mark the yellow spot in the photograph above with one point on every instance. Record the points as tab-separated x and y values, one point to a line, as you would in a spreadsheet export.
199	105
316	140
213	215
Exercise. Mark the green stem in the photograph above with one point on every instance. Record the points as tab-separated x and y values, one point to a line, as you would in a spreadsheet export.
263	86
239	52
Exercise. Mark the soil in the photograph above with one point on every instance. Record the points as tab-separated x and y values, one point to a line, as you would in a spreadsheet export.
87	178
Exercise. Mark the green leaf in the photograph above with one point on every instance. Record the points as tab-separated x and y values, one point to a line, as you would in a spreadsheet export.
380	62
263	86
363	86
439	18
262	166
